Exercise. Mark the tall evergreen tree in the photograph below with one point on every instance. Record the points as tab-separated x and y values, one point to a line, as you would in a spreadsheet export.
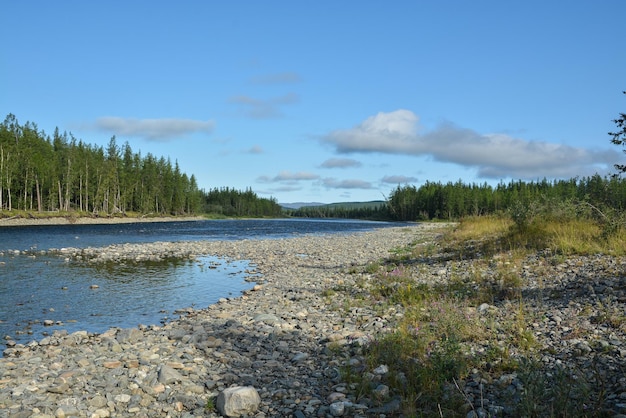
619	137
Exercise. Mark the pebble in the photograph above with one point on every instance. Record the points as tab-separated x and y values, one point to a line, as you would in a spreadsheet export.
280	338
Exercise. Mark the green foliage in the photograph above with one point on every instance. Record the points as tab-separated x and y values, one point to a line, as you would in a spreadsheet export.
230	202
39	173
209	406
428	351
523	201
61	174
443	339
559	393
619	137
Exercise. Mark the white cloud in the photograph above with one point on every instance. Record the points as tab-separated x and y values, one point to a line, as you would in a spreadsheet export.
283	189
153	129
493	155
288	176
255	149
398	179
340	163
264	109
393	132
333	183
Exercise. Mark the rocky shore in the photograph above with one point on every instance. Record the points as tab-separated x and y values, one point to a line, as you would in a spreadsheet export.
287	341
87	220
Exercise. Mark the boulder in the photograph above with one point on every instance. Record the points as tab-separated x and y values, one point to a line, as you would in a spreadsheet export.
128	335
238	400
168	375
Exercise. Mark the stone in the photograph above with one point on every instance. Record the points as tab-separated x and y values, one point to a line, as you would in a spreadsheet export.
382	369
293	353
122	398
336	396
168	375
238	400
266	318
299	357
381	392
128	335
113	364
98	401
337	409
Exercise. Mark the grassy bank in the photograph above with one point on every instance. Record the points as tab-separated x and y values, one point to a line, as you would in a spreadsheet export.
444	339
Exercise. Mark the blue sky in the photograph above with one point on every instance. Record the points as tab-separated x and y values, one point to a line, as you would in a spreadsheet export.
327	101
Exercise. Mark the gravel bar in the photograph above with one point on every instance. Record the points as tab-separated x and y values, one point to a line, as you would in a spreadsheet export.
281	337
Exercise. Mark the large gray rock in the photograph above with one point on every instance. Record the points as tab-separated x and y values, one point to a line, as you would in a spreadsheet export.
238	400
128	335
168	375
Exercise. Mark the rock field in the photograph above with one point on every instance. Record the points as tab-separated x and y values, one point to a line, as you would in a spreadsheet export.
280	338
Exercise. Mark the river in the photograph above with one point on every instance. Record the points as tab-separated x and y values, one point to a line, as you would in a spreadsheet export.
37	288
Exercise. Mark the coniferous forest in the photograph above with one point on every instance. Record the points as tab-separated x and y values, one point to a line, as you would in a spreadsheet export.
60	173
453	201
457	200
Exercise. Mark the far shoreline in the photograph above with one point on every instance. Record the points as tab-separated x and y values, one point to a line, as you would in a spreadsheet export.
16	221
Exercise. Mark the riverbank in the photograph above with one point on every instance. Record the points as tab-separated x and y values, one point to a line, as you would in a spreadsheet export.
275	338
298	336
89	220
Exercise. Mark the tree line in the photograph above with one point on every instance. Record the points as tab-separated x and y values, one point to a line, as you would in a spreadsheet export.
231	202
374	212
43	173
451	201
435	200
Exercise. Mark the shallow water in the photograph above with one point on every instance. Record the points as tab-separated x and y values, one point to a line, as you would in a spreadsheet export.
77	296
88	297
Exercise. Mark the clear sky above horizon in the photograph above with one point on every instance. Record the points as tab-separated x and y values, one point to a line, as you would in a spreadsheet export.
327	101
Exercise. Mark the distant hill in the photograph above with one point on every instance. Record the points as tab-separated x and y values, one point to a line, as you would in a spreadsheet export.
298	205
356	205
345	205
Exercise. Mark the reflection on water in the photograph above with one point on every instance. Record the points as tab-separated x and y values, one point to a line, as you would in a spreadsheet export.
80	296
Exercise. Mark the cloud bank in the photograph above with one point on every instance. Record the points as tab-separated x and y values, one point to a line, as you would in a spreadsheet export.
264	109
332	183
340	163
160	130
288	176
291	181
492	155
398	179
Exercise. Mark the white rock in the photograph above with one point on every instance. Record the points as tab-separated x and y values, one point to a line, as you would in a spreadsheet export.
238	400
382	369
122	398
337	409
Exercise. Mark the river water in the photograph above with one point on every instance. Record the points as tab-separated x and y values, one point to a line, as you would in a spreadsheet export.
94	298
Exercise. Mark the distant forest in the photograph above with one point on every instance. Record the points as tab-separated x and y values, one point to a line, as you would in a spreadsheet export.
458	200
61	173
450	201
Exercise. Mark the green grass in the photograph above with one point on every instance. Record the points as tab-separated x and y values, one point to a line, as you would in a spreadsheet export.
432	348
